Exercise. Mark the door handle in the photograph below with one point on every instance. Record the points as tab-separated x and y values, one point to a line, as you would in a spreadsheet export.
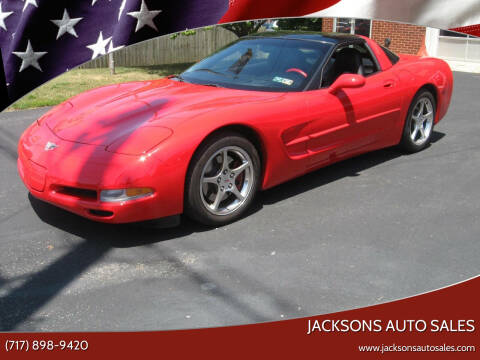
389	83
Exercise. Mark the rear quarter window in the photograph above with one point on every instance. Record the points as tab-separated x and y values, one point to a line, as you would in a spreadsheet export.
391	56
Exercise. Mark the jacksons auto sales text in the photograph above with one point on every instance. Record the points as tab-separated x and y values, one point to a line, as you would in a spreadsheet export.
345	325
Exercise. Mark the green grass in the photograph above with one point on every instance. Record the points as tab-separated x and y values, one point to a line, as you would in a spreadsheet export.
79	80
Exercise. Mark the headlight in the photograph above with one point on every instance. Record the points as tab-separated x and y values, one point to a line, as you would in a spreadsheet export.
124	194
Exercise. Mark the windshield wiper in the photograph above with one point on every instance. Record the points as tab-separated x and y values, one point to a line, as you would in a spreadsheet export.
213	85
179	77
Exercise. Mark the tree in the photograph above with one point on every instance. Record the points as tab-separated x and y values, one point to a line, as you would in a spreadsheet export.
300	24
187	32
244	28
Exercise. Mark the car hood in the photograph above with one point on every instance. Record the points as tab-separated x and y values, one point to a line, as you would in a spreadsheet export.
102	115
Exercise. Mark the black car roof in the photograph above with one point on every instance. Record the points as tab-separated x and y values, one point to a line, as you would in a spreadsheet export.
334	38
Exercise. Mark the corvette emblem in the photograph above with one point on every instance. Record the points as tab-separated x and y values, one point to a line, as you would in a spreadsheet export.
50	146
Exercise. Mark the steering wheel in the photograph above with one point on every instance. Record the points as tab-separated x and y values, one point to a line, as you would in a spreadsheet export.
298	71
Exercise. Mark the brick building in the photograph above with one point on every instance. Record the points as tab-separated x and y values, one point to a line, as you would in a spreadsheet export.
461	51
404	38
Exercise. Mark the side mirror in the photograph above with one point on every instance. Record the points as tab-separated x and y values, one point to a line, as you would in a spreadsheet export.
347	81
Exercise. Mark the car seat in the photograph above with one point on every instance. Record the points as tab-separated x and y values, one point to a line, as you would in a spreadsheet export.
347	61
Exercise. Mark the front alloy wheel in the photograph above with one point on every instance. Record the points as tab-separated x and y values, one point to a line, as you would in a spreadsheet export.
222	180
227	180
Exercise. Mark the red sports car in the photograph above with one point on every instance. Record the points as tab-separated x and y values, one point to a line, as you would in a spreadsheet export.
261	111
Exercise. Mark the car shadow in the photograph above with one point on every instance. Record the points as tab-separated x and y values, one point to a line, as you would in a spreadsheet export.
111	235
132	235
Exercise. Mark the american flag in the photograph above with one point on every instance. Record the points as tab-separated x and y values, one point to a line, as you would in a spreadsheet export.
40	39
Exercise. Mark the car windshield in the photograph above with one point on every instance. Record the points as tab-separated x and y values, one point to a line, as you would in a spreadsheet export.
272	64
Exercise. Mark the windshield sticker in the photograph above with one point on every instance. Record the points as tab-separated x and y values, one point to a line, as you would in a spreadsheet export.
282	80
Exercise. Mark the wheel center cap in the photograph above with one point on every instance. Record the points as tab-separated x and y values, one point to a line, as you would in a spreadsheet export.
225	179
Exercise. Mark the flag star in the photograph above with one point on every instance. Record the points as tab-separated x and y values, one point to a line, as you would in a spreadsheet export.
145	17
30	2
111	48
3	16
99	47
66	25
29	57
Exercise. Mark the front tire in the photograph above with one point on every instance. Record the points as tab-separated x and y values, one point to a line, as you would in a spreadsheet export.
418	129
222	179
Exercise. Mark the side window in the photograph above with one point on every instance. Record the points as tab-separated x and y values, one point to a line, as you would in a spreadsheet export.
368	63
393	57
349	59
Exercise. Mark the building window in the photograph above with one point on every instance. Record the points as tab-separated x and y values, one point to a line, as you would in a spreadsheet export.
452	33
353	26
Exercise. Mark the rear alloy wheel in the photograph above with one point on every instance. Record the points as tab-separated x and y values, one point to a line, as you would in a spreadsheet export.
223	180
419	124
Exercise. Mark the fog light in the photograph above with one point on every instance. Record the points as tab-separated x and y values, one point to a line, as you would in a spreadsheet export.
124	194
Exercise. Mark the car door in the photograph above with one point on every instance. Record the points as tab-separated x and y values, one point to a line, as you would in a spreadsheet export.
353	120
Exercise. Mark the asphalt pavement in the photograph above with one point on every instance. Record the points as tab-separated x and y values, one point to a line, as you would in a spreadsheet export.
372	229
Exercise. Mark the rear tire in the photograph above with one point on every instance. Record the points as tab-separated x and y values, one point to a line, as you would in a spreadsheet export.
222	179
418	128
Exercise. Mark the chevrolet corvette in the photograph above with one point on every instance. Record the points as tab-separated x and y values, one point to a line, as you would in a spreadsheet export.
259	112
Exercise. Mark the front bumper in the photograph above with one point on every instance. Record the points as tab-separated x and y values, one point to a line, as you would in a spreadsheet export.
72	175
